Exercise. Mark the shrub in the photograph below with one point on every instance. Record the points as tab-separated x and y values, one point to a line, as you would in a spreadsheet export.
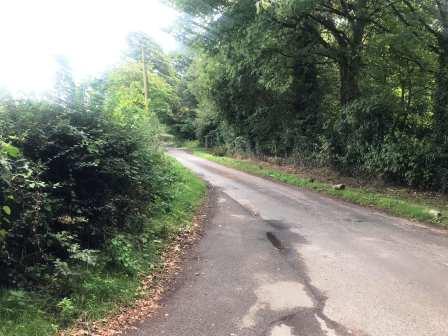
368	140
80	179
402	159
121	256
360	125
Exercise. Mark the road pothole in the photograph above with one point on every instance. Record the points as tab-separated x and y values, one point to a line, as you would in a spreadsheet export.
277	243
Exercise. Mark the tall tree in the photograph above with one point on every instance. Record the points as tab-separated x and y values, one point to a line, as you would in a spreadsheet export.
341	30
155	57
429	21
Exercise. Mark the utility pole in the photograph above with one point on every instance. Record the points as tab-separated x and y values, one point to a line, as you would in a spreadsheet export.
145	81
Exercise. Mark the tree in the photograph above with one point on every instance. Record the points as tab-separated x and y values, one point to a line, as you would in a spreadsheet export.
340	30
155	58
65	91
359	85
429	21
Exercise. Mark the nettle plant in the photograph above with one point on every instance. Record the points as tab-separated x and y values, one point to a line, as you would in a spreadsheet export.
21	201
7	152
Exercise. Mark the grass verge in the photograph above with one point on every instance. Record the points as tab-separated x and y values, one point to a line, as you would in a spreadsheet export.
415	209
103	291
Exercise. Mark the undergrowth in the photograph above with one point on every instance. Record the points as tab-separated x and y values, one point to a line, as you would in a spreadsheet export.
112	283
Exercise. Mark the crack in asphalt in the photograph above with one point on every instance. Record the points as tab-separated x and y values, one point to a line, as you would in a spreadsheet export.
296	319
369	271
295	260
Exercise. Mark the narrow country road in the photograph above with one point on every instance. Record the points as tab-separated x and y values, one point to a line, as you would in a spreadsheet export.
280	261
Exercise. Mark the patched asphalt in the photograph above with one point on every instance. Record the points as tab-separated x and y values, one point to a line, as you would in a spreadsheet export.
280	261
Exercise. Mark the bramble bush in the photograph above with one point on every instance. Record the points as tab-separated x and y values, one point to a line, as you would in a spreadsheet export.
71	180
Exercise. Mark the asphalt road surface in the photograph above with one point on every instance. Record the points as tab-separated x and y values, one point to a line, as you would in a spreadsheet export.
279	261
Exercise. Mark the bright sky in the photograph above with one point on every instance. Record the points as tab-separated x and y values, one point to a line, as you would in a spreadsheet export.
90	34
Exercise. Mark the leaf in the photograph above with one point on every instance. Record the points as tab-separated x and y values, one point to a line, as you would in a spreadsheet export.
12	151
6	210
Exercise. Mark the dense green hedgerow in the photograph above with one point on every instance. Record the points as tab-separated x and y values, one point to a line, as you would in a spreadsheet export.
112	283
76	179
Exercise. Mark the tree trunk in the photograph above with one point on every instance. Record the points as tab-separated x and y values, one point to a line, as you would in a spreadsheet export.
308	98
350	60
349	70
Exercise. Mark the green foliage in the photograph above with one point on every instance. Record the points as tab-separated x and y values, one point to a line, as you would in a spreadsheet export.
124	99
181	119
104	287
369	141
67	308
23	314
361	125
121	255
83	176
357	85
77	171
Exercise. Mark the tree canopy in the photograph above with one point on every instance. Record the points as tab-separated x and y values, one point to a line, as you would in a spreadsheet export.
358	85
